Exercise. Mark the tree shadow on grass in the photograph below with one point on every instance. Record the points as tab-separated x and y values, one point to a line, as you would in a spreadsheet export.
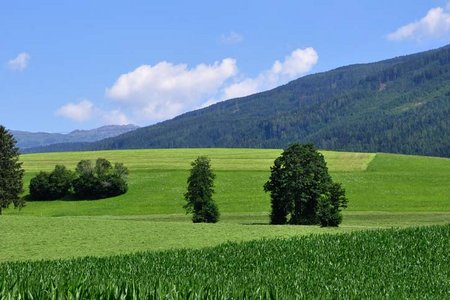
70	197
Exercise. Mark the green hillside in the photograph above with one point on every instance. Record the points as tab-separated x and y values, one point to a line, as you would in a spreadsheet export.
399	105
374	182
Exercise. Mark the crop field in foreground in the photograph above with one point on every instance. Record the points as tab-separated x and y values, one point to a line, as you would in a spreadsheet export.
384	191
412	263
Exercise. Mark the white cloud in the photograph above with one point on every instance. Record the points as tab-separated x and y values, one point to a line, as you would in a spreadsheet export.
231	38
435	24
299	62
19	63
85	110
165	89
80	112
245	87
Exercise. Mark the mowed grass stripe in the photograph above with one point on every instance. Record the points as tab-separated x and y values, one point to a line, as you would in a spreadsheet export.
179	159
348	161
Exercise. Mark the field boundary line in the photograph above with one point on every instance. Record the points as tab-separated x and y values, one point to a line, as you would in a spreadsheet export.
369	161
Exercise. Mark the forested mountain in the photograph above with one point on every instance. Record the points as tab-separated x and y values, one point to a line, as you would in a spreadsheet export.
27	139
400	105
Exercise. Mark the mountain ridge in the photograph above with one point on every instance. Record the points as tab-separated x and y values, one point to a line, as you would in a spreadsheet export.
398	105
27	139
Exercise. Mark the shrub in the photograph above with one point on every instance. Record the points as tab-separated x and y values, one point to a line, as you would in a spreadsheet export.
100	181
51	186
88	182
39	186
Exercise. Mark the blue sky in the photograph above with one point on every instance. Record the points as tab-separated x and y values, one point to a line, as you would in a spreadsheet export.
68	65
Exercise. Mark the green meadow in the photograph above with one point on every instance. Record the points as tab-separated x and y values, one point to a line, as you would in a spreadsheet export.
384	191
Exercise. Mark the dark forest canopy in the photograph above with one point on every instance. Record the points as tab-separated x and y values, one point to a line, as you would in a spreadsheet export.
399	105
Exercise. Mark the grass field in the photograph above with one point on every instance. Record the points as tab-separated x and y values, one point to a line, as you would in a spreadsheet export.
35	238
384	190
381	182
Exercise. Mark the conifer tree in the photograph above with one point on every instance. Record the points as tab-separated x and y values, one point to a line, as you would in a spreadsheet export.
199	192
11	172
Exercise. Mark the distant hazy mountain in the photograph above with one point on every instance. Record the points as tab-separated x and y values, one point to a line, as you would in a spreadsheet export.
36	139
400	105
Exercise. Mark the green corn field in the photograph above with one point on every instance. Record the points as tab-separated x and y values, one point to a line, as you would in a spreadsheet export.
411	263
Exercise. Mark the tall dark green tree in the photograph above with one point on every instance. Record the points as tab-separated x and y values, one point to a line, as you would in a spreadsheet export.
299	180
199	192
11	172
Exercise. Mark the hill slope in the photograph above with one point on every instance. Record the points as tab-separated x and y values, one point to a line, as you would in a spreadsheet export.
157	181
27	139
399	105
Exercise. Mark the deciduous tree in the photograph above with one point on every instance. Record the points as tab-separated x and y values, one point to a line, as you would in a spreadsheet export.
330	205
299	180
